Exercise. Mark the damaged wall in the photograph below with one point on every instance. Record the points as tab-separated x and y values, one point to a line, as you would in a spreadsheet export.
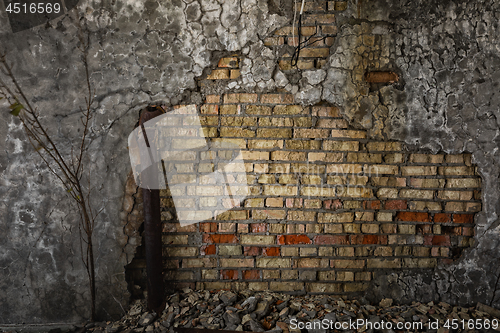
445	102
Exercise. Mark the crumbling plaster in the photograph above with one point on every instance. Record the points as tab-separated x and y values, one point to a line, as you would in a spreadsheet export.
152	51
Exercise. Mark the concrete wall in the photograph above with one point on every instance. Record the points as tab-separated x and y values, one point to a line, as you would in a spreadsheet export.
142	52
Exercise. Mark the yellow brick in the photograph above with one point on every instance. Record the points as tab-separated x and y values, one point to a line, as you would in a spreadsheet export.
289	286
394	158
352	228
258	109
383	263
419	170
184	144
386	192
225	262
219	74
233	215
311	133
355	192
347	264
333	228
229	143
303	144
384	146
230	109
370	228
316	287
257	240
280	190
348	134
326	157
236	132
335	217
271	274
455	195
456	171
256	202
288	156
311	180
301	216
240	98
288	179
317	191
342	169
419	262
463	183
307	168
199	262
274	133
455	206
279	168
364	158
384	216
426	158
426	182
273	263
289	109
416	194
388	181
380	169
268	214
341	145
312	262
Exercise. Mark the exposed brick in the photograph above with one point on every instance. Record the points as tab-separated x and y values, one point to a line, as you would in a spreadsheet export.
293	239
413	217
334	204
442	218
271	251
396	205
331	239
463	218
250	274
258	227
220	238
229	274
441	240
252	250
218	74
319	19
208	250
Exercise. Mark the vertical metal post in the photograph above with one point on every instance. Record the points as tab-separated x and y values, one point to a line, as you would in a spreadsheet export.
152	229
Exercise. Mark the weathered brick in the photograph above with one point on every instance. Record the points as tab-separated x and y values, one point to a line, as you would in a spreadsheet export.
341	145
250	274
293	239
347	264
395	205
225	262
364	158
375	170
325	111
354	192
418	170
236	132
416	194
319	19
383	263
313	263
383	146
257	239
268	214
456	171
229	274
273	263
331	239
317	191
240	98
220	238
413	217
441	240
344	169
289	286
278	190
317	287
289	110
335	217
463	218
310	133
288	156
233	215
199	262
274	133
348	134
463	183
219	74
332	123
426	158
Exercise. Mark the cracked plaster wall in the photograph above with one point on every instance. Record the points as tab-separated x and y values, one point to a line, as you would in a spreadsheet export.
144	52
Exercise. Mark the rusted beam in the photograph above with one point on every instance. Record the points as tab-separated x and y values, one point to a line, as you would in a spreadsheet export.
381	77
152	227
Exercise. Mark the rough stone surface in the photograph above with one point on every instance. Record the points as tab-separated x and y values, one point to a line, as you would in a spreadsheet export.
445	53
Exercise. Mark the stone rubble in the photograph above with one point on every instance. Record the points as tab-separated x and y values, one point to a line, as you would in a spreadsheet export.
274	312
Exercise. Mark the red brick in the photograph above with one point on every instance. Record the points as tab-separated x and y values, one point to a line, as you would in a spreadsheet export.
294	202
271	251
331	239
442	218
373	204
396	205
441	240
332	204
220	238
293	239
466	231
208	250
258	227
208	227
229	274
252	250
251	275
413	217
463	218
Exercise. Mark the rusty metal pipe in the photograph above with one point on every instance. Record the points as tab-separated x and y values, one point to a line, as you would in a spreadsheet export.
153	229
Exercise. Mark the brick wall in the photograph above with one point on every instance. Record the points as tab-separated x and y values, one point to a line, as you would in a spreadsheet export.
328	207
